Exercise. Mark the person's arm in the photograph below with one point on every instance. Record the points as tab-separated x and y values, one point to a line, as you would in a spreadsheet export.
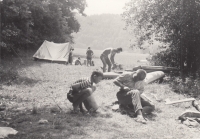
121	85
76	86
80	84
119	82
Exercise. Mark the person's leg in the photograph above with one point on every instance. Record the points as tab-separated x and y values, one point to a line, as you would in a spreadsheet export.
132	97
87	61
123	98
70	60
81	108
136	101
108	63
147	106
90	61
81	96
104	63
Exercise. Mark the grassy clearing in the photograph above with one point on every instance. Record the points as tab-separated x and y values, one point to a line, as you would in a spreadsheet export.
33	90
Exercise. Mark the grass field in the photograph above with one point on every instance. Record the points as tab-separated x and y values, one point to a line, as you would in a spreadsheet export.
35	90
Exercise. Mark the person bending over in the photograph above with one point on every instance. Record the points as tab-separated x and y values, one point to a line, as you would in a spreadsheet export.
78	61
82	89
131	88
109	61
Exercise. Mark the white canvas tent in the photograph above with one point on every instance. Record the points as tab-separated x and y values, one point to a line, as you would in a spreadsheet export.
53	51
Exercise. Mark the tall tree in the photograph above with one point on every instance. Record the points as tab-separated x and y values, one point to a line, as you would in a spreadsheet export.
27	23
175	23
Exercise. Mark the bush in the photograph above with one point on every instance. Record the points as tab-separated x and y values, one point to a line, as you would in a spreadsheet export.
189	85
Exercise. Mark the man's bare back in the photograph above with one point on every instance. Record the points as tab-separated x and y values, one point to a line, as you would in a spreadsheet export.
107	51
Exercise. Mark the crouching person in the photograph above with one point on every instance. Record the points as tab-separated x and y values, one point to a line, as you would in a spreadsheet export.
82	89
131	88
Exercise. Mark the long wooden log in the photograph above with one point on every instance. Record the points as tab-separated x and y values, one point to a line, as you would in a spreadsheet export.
179	101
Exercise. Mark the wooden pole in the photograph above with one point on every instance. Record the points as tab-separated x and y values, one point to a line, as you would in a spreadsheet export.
179	101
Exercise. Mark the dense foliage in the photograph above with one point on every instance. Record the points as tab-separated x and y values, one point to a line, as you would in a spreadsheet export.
27	23
175	23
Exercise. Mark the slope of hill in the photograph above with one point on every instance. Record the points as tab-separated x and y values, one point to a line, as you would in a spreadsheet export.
102	31
107	30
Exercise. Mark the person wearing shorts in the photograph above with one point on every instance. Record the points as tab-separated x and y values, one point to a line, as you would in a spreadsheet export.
106	60
89	55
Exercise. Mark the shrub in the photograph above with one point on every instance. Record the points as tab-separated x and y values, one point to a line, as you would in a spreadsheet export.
189	85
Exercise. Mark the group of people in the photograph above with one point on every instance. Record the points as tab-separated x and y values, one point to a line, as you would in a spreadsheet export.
105	58
131	87
89	55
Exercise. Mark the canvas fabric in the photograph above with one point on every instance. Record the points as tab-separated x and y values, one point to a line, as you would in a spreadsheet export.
53	51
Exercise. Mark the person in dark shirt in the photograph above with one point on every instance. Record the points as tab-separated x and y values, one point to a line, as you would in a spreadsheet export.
78	61
109	61
70	58
82	89
89	55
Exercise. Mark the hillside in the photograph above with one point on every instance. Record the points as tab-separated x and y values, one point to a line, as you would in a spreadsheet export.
102	31
107	30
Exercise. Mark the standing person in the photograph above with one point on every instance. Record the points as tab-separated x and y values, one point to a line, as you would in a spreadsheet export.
70	58
109	61
131	88
82	89
89	55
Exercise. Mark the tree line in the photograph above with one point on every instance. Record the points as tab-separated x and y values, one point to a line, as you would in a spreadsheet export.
25	24
175	23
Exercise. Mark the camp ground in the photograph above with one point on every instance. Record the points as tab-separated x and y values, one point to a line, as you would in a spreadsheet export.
142	80
42	92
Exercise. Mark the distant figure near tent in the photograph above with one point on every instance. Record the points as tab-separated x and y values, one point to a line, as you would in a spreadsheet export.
53	51
78	61
109	61
70	59
89	55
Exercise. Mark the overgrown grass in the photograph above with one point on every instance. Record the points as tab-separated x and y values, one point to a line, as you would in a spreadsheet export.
189	86
41	87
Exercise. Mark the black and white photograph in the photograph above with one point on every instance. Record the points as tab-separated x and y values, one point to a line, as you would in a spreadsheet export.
99	69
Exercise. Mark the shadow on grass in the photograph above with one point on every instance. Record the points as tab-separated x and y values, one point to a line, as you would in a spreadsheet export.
12	77
128	110
59	124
